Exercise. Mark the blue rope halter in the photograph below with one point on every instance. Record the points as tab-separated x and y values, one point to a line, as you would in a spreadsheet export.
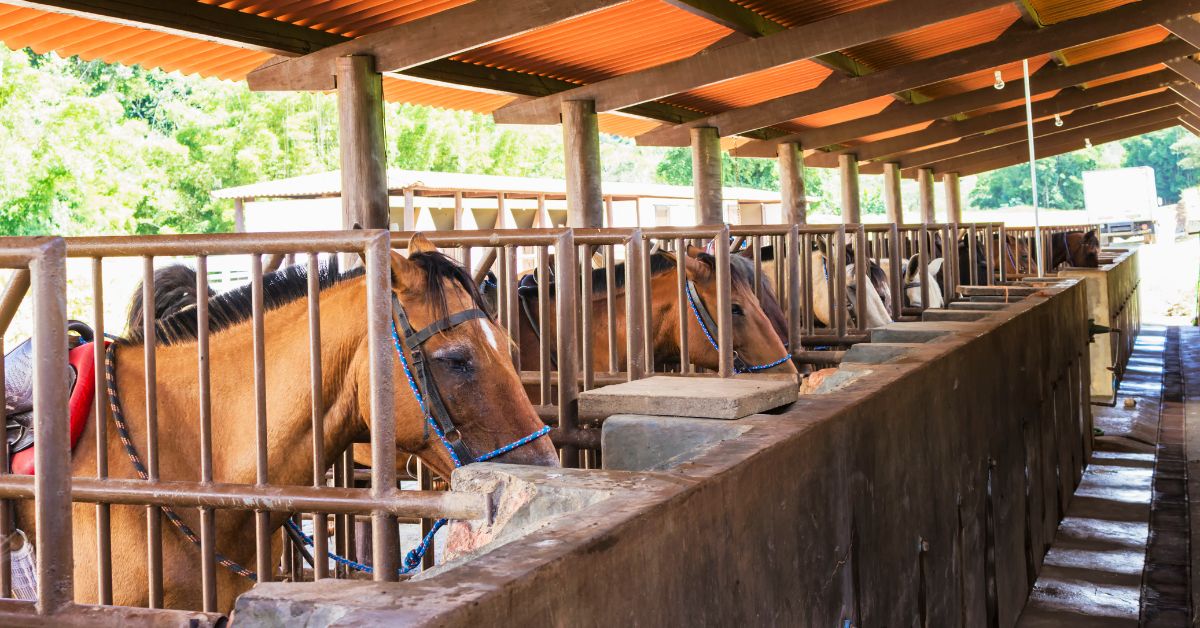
413	558
739	364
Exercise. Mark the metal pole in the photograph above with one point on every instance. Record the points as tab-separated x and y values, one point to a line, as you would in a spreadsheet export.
1037	224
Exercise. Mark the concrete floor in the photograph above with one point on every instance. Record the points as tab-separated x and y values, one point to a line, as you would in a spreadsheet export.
1120	557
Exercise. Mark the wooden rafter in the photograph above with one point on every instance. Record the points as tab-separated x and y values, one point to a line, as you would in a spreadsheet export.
1019	43
1115	136
1066	100
898	116
1186	29
1187	68
730	62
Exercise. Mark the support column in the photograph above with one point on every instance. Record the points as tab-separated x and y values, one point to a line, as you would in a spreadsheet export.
953	199
851	206
925	184
706	175
892	201
581	141
362	143
791	183
239	216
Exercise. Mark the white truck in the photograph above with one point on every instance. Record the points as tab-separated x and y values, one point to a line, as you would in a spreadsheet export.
1122	201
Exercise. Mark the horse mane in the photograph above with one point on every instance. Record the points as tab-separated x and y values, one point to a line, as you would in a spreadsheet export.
280	288
660	262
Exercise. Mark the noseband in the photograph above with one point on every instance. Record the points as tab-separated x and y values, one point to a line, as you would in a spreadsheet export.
420	380
706	324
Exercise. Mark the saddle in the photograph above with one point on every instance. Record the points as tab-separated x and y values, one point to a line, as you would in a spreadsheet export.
18	393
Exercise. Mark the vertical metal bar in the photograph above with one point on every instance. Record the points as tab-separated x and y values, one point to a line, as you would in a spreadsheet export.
1033	180
52	483
923	247
989	254
208	572
14	293
806	276
320	527
385	557
861	263
837	270
972	253
6	512
756	251
647	309
153	513
545	356
1004	252
791	257
724	303
565	295
514	307
896	277
503	287
586	316
683	309
949	262
635	331
262	521
100	402
425	483
610	277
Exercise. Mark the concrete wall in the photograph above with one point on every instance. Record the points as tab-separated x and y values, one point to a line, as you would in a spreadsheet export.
1112	302
925	492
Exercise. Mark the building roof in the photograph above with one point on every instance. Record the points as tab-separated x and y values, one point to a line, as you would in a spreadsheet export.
328	184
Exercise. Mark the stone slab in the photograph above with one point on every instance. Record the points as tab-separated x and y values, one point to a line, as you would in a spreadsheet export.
977	305
922	331
952	315
878	352
638	442
701	397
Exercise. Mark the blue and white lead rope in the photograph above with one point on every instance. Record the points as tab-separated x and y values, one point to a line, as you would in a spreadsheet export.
749	368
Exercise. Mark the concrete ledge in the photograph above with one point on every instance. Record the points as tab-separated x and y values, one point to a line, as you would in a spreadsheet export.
923	331
952	315
634	442
701	397
879	352
977	305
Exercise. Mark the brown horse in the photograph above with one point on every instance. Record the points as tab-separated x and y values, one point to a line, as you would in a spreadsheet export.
1075	248
469	362
755	339
1013	254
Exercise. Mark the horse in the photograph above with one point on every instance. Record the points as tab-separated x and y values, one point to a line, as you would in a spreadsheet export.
758	342
877	311
913	282
1076	249
469	363
1013	254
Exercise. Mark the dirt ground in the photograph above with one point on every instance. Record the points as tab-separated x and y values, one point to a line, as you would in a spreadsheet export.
1169	280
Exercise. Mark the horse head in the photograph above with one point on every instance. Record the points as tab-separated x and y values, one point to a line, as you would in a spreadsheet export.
469	376
1087	252
755	339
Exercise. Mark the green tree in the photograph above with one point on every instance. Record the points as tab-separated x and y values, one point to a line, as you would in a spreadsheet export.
1172	158
1060	183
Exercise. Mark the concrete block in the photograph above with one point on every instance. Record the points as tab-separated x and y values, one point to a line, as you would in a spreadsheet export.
637	442
922	331
952	315
878	352
976	305
702	397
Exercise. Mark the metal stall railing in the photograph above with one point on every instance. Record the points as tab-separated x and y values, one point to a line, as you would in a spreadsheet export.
208	493
1025	241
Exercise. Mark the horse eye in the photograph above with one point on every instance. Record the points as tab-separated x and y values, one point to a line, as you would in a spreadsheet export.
737	310
456	361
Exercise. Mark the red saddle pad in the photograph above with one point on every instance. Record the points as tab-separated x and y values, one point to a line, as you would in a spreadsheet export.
79	407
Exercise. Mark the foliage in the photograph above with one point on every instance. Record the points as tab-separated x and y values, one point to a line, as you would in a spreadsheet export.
1172	158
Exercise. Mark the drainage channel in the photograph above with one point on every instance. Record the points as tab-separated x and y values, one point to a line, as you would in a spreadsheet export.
1121	555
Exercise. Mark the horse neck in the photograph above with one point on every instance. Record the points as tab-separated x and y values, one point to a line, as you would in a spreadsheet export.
288	392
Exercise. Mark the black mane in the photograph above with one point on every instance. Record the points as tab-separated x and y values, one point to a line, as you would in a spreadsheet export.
281	288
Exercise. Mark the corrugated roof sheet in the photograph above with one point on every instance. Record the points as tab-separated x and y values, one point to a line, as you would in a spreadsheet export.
936	39
1114	45
1048	12
754	88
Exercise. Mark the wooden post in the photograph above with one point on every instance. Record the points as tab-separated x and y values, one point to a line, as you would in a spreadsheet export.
953	199
925	184
851	206
410	211
503	219
543	215
892	200
581	141
706	175
791	183
361	138
239	215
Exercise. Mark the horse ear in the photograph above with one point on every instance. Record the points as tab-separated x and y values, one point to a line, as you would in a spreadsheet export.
418	243
694	251
405	274
695	269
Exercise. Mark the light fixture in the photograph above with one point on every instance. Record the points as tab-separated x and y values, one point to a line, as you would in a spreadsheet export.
1058	120
1087	142
999	84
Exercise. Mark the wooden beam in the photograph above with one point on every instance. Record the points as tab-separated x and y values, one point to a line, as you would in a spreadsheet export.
791	184
1188	91
581	143
361	138
1019	43
1125	133
196	20
851	199
1074	137
714	66
420	41
706	176
1066	100
1018	134
1047	79
1187	68
730	15
1186	29
1191	106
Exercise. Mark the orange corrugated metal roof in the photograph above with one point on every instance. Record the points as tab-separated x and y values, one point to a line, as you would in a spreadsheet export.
792	14
968	82
1114	45
1054	11
841	114
1125	75
936	39
754	88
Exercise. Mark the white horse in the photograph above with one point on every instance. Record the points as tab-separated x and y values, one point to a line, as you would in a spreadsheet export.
913	282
